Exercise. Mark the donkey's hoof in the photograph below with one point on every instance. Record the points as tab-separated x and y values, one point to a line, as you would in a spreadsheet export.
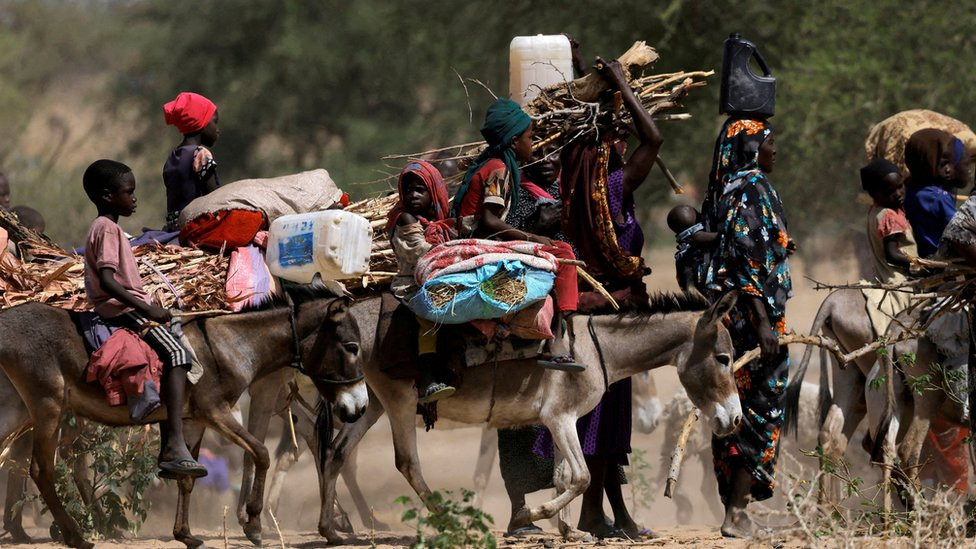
331	536
254	535
18	535
190	541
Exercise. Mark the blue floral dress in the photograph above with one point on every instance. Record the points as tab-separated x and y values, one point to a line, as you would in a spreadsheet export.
752	257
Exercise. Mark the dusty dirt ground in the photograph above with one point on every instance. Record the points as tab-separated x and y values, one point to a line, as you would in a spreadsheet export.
448	457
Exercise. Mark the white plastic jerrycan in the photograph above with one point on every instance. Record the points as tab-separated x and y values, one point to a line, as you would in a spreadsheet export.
536	62
332	243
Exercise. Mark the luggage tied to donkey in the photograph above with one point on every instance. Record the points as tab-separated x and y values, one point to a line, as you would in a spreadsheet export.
471	279
231	216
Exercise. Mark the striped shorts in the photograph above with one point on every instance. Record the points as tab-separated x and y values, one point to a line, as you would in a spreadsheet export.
169	348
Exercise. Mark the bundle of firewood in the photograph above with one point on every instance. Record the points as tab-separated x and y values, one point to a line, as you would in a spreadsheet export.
565	112
177	278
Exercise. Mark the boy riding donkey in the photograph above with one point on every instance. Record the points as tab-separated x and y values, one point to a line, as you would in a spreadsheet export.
114	288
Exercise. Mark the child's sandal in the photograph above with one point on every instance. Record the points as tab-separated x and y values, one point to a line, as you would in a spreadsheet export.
435	392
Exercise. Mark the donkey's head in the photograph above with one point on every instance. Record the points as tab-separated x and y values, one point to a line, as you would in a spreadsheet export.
706	373
334	363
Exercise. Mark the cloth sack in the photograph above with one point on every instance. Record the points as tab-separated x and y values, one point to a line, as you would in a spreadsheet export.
274	197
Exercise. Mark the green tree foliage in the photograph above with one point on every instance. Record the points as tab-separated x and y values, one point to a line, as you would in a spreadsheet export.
340	84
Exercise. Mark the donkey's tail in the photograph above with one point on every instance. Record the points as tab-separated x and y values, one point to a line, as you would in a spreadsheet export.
884	424
323	430
792	407
284	443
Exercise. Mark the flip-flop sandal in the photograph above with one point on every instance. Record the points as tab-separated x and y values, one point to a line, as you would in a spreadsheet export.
565	363
178	468
530	530
436	392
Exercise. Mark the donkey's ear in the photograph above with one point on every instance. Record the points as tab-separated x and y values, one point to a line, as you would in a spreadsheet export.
338	309
720	308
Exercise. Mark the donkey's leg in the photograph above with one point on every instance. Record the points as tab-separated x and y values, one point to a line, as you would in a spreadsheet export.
46	416
285	458
844	415
193	434
265	396
571	476
404	427
342	446
487	451
223	421
352	484
19	455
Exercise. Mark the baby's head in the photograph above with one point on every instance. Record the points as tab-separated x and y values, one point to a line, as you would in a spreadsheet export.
680	218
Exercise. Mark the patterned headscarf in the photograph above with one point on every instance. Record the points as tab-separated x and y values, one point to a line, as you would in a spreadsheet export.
438	229
736	151
504	120
924	151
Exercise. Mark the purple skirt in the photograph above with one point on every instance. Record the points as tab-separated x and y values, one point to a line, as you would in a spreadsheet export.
603	432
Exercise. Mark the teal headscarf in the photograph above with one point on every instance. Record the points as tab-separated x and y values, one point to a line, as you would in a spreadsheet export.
504	120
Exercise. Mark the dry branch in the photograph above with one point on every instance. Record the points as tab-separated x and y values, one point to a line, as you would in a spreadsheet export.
820	341
677	455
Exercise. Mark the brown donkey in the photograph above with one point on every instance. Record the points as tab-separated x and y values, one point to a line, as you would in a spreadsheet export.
688	335
45	359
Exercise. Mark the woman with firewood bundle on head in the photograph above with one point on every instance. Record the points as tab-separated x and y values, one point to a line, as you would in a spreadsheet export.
751	258
490	187
417	222
190	171
599	215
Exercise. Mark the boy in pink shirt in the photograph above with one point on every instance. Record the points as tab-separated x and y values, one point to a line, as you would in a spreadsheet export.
114	288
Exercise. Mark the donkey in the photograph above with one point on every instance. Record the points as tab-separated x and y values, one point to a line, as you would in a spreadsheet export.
900	425
13	417
843	317
647	412
680	331
44	357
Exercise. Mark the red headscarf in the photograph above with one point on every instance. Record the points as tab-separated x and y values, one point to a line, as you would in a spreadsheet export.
189	112
440	229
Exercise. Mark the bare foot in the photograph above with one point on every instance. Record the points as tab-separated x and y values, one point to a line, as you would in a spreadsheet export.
737	524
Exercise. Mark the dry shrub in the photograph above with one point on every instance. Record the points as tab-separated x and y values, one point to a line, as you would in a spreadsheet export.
939	518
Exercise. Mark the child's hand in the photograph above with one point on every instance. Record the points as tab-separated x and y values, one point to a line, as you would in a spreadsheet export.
159	314
544	240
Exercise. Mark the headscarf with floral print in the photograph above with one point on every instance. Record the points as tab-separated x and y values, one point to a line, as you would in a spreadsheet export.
736	151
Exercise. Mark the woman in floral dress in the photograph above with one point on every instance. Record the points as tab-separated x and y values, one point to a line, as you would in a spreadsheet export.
751	257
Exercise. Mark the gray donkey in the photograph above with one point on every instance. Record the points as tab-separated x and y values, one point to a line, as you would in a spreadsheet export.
515	393
44	357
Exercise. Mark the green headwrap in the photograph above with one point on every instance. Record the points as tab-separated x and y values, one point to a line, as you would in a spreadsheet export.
503	122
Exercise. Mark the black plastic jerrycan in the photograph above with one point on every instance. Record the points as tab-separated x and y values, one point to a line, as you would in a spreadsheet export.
743	91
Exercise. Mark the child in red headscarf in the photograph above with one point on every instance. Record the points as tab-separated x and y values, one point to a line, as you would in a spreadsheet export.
416	223
190	171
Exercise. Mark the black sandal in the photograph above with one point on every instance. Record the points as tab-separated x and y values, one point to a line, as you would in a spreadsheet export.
435	392
178	468
565	363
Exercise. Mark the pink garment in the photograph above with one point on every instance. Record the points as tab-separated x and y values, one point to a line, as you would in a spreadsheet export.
893	222
249	283
122	365
535	191
462	255
532	322
107	246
